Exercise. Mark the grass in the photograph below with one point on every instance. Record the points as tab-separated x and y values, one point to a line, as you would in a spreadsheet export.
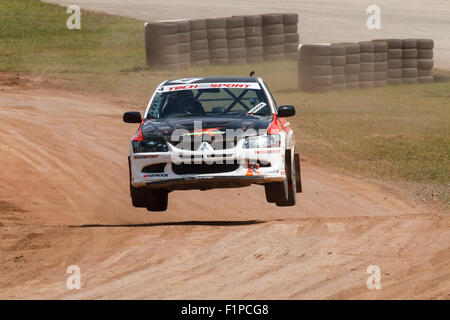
397	133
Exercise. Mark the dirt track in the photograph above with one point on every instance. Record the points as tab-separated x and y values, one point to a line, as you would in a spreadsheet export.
64	200
320	21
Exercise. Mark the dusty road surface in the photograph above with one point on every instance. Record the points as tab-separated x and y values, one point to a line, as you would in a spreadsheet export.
320	21
64	201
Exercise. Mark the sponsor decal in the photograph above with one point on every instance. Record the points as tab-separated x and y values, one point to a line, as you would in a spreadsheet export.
258	107
149	156
154	175
187	86
209	132
266	151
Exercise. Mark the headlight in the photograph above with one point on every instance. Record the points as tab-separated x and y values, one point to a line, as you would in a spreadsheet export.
149	146
269	141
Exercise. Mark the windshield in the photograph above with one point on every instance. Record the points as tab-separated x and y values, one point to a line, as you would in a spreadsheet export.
209	102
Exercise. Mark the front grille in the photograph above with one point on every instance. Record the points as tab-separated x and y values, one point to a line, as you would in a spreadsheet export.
216	145
154	168
204	168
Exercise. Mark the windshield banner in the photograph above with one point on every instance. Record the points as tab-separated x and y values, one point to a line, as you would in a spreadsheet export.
216	85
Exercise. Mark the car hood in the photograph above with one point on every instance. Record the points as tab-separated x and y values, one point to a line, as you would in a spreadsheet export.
165	127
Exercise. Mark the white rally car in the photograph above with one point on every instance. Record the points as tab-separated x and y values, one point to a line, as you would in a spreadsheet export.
212	132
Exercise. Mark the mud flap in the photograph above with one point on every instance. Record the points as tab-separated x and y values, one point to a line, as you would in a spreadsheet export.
297	172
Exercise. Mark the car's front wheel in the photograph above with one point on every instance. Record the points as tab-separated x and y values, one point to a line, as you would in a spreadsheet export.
291	182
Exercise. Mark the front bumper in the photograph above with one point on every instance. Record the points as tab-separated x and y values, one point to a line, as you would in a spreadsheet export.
246	172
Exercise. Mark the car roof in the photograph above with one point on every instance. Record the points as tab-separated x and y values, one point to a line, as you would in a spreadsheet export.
210	80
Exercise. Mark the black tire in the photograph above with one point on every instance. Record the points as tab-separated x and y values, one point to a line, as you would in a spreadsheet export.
234	33
198	35
234	22
352	68
409	63
253	31
159	200
337	79
236	53
221	53
394	73
274	56
409	44
395	64
409	53
291	179
274	39
220	61
290	48
236	43
163	40
199	45
380	75
409	80
394	82
273	29
160	28
253	20
425	64
352	78
394	43
274	49
217	44
183	37
366	46
291	37
216	23
352	58
271	18
367	67
366	76
409	73
337	50
423	72
425	44
441	78
350	48
290	28
380	66
182	26
426	79
315	61
338	60
424	54
352	85
395	54
199	55
197	24
254	52
254	41
380	56
380	46
338	70
315	50
367	57
298	173
290	18
216	33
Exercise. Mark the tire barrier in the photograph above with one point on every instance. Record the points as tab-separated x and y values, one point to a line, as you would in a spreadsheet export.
199	52
314	68
273	36
180	44
291	36
366	64
216	33
425	60
409	61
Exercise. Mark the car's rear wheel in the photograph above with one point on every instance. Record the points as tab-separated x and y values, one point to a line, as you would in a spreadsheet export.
298	173
291	181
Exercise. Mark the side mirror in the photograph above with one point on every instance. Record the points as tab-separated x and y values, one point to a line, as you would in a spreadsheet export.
132	117
286	111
